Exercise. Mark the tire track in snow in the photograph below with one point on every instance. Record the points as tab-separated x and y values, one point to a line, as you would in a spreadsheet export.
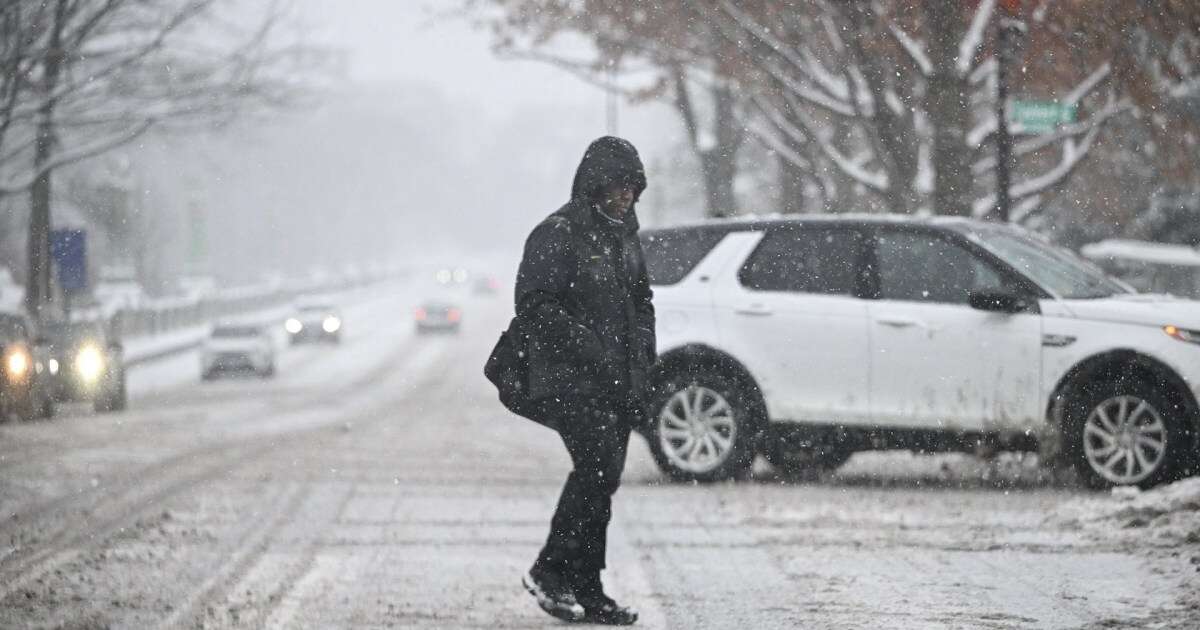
149	487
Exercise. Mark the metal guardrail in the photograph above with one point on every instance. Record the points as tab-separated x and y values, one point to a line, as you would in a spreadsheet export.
156	317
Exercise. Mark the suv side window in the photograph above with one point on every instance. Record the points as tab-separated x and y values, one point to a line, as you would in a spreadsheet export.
805	260
672	254
923	267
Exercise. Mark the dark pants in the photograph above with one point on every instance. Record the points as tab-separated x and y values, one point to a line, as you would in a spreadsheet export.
597	437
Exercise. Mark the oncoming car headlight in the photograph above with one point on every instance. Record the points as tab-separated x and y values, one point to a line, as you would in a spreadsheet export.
331	324
293	325
1183	334
16	364
89	363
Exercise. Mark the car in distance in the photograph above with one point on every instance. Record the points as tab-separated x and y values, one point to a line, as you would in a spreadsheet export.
238	347
434	317
809	339
86	365
23	386
314	321
486	285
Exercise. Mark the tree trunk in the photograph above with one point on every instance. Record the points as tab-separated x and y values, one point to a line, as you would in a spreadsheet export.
791	187
37	288
947	104
719	162
718	168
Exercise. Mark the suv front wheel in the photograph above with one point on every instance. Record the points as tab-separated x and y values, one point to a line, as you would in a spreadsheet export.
1127	433
703	427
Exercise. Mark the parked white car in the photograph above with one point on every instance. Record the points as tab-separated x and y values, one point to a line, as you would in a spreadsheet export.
810	339
238	347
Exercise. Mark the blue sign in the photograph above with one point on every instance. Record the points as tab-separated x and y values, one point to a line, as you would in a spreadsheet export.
68	248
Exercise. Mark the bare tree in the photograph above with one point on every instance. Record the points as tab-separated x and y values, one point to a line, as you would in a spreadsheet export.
912	82
86	76
665	50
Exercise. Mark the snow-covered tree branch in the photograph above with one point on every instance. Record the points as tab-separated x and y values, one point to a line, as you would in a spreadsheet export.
910	86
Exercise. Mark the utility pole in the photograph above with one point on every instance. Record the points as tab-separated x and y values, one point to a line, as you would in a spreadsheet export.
1009	28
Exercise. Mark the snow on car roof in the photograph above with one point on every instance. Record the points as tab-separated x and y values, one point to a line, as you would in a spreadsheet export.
752	220
1143	251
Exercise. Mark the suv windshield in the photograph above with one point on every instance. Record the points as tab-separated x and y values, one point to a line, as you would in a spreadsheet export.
1054	268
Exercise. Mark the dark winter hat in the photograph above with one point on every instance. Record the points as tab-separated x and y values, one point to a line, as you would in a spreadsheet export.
607	161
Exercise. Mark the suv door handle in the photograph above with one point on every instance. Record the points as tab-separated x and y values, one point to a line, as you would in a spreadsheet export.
757	310
900	323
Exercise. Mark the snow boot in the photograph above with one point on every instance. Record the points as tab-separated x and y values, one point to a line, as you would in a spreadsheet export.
553	594
609	613
599	608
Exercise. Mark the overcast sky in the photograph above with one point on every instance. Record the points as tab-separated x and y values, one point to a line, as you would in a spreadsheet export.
429	143
413	40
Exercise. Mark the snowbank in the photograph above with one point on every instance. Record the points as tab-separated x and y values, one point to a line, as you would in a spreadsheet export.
1157	253
1167	515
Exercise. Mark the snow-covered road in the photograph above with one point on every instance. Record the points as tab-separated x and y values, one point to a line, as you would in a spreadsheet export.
378	484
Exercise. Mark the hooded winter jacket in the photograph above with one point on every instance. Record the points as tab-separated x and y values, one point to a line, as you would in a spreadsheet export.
582	291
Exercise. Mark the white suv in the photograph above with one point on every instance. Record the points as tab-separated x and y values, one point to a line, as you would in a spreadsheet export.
809	339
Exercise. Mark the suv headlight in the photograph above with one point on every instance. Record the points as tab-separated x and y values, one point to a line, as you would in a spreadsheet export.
293	325
1183	334
331	324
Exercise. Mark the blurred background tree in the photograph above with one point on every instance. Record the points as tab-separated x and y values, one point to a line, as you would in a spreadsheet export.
84	77
890	105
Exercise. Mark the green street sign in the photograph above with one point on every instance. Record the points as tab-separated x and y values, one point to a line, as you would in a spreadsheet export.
1039	116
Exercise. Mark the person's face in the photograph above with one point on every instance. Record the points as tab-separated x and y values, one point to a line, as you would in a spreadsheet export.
617	201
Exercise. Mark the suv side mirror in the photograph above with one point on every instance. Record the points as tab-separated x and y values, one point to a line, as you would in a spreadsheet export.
1000	302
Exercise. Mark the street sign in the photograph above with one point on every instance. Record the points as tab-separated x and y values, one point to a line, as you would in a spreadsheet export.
68	249
1038	117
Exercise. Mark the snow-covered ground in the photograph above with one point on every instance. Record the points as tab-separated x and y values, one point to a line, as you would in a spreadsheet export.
379	484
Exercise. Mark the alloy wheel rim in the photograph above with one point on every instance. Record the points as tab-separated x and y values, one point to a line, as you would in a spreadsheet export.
1125	439
697	429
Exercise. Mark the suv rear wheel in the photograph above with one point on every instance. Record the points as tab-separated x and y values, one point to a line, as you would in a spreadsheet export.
1127	433
703	427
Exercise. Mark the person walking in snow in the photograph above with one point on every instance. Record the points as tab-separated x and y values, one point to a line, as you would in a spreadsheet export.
584	298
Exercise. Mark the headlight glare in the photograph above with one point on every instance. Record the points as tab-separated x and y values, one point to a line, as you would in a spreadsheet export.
89	364
331	324
293	325
17	364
